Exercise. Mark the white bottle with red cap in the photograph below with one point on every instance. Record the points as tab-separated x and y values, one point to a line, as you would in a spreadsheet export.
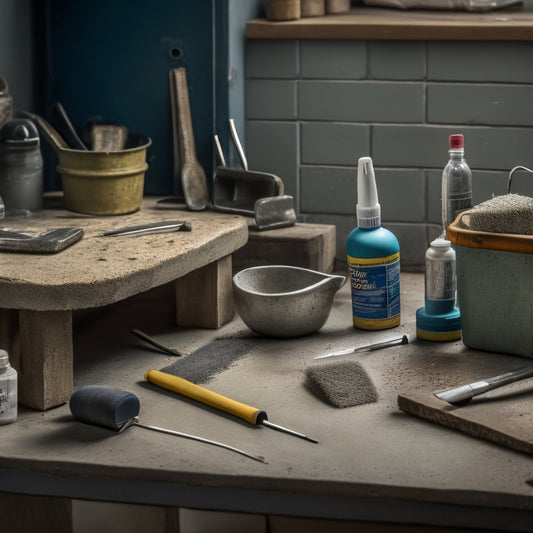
456	183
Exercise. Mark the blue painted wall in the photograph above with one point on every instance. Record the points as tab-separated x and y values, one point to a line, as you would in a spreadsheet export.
112	60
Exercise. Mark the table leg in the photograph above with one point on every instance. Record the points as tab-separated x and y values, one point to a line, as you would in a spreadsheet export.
46	373
204	297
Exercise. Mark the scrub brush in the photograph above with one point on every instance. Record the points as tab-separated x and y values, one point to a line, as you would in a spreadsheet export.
508	213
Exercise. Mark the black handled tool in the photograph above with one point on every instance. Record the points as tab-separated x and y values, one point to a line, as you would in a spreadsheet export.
118	410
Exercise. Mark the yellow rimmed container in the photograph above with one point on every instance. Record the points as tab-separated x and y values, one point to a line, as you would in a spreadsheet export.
104	183
99	182
494	273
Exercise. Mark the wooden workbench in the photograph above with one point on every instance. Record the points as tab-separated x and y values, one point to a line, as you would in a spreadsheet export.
373	462
39	292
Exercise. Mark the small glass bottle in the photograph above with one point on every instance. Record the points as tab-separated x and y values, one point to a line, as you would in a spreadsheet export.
456	182
8	390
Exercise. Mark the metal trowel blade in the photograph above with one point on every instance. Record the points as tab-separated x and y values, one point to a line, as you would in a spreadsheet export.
274	212
48	242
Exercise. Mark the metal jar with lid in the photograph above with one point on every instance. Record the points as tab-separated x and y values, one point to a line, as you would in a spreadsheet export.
21	168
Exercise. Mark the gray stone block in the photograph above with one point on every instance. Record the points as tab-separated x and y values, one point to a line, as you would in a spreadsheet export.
362	101
328	143
481	61
271	99
303	245
401	60
271	59
333	59
273	147
486	104
327	190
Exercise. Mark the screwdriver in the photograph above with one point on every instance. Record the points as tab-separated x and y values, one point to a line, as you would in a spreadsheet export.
246	412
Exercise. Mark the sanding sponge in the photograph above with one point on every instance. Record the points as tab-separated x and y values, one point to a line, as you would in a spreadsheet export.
509	213
342	384
104	406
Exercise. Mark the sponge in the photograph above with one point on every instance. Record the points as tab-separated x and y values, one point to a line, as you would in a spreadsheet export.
343	384
509	213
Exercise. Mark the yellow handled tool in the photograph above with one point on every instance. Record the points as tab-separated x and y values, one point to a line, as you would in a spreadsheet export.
196	392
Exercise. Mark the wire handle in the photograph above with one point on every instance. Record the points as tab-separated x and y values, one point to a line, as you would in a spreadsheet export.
519	167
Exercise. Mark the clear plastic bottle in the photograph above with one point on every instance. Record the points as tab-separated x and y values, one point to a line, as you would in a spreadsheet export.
456	182
8	390
373	256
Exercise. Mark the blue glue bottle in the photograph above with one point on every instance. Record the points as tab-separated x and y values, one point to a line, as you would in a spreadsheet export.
373	256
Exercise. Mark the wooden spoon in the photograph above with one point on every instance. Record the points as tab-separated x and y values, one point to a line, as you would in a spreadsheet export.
193	179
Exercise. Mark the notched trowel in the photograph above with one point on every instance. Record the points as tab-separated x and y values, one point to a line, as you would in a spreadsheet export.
49	241
251	193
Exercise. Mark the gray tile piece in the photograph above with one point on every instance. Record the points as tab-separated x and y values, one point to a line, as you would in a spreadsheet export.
274	147
333	143
363	101
400	60
340	60
434	197
413	245
426	146
487	104
410	146
401	194
483	61
327	190
271	58
271	99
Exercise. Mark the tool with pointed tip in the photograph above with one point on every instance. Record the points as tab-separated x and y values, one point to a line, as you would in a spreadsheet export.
368	348
190	390
463	394
152	227
153	342
118	410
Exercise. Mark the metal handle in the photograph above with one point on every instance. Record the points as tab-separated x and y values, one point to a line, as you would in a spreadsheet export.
511	176
237	142
510	377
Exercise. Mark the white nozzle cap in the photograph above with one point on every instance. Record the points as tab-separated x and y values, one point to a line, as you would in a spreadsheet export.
368	208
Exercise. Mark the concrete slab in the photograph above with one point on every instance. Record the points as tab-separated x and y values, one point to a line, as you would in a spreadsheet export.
99	270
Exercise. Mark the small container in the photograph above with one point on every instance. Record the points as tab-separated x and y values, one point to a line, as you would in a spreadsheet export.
494	289
21	168
439	319
8	390
283	9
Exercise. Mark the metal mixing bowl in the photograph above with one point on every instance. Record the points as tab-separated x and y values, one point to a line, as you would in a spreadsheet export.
284	301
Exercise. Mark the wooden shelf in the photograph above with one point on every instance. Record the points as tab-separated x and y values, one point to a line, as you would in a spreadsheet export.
391	24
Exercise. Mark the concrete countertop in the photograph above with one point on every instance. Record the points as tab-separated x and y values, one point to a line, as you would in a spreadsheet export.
373	461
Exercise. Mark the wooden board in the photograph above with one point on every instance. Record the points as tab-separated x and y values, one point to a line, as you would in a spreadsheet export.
397	24
503	416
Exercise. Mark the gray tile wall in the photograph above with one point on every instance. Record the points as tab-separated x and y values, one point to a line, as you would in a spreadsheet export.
314	107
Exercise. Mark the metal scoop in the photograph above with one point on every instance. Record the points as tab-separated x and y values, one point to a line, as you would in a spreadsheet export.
462	395
118	410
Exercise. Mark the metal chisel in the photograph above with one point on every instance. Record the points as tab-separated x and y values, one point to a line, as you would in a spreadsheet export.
368	348
196	392
152	227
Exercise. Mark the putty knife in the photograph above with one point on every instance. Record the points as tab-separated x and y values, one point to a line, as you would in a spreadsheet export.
118	410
